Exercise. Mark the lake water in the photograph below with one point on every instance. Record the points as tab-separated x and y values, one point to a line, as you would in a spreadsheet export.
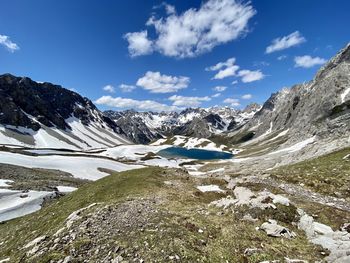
199	154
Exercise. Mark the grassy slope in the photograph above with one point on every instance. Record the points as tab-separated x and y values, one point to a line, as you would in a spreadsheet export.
225	235
328	174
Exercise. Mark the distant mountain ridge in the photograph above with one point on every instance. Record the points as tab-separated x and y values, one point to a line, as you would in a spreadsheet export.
144	127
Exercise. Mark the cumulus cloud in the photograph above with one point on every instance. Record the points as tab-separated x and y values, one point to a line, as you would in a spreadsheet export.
228	68
225	69
188	101
308	61
142	105
216	95
227	72
109	88
197	30
247	96
158	83
126	88
234	82
232	102
139	44
250	75
220	65
285	42
6	42
220	88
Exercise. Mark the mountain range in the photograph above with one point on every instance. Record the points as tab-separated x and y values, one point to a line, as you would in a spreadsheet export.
48	115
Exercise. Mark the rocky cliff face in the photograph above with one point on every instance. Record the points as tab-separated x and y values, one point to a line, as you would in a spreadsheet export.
320	107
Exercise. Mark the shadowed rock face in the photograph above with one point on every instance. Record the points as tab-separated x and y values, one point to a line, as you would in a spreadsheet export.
314	108
26	103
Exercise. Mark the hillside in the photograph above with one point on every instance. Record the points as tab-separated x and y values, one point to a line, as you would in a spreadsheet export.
162	215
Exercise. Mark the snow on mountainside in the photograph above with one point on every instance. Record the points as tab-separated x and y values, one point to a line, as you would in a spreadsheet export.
36	114
144	127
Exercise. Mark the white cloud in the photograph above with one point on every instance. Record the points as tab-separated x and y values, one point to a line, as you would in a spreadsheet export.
227	72
199	30
139	44
6	42
158	83
228	69
170	9
283	57
232	102
220	88
220	65
109	88
285	42
188	101
225	69
250	75
142	105
308	61
247	96
216	95
127	88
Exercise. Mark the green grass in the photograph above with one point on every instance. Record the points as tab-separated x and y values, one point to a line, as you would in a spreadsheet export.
328	174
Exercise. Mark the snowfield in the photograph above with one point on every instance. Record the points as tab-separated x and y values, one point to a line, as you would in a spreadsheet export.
131	152
15	203
79	167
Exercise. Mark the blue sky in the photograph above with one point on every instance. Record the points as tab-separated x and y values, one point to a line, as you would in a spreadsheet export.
163	54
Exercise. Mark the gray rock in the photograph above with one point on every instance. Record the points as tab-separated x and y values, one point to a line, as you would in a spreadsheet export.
273	229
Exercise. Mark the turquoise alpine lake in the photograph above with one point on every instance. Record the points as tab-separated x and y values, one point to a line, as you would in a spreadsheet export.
194	153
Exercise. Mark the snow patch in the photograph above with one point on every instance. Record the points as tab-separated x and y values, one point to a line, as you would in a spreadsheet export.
210	188
15	203
66	189
5	183
344	94
296	147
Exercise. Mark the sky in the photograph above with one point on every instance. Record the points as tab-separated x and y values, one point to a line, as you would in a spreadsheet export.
169	55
